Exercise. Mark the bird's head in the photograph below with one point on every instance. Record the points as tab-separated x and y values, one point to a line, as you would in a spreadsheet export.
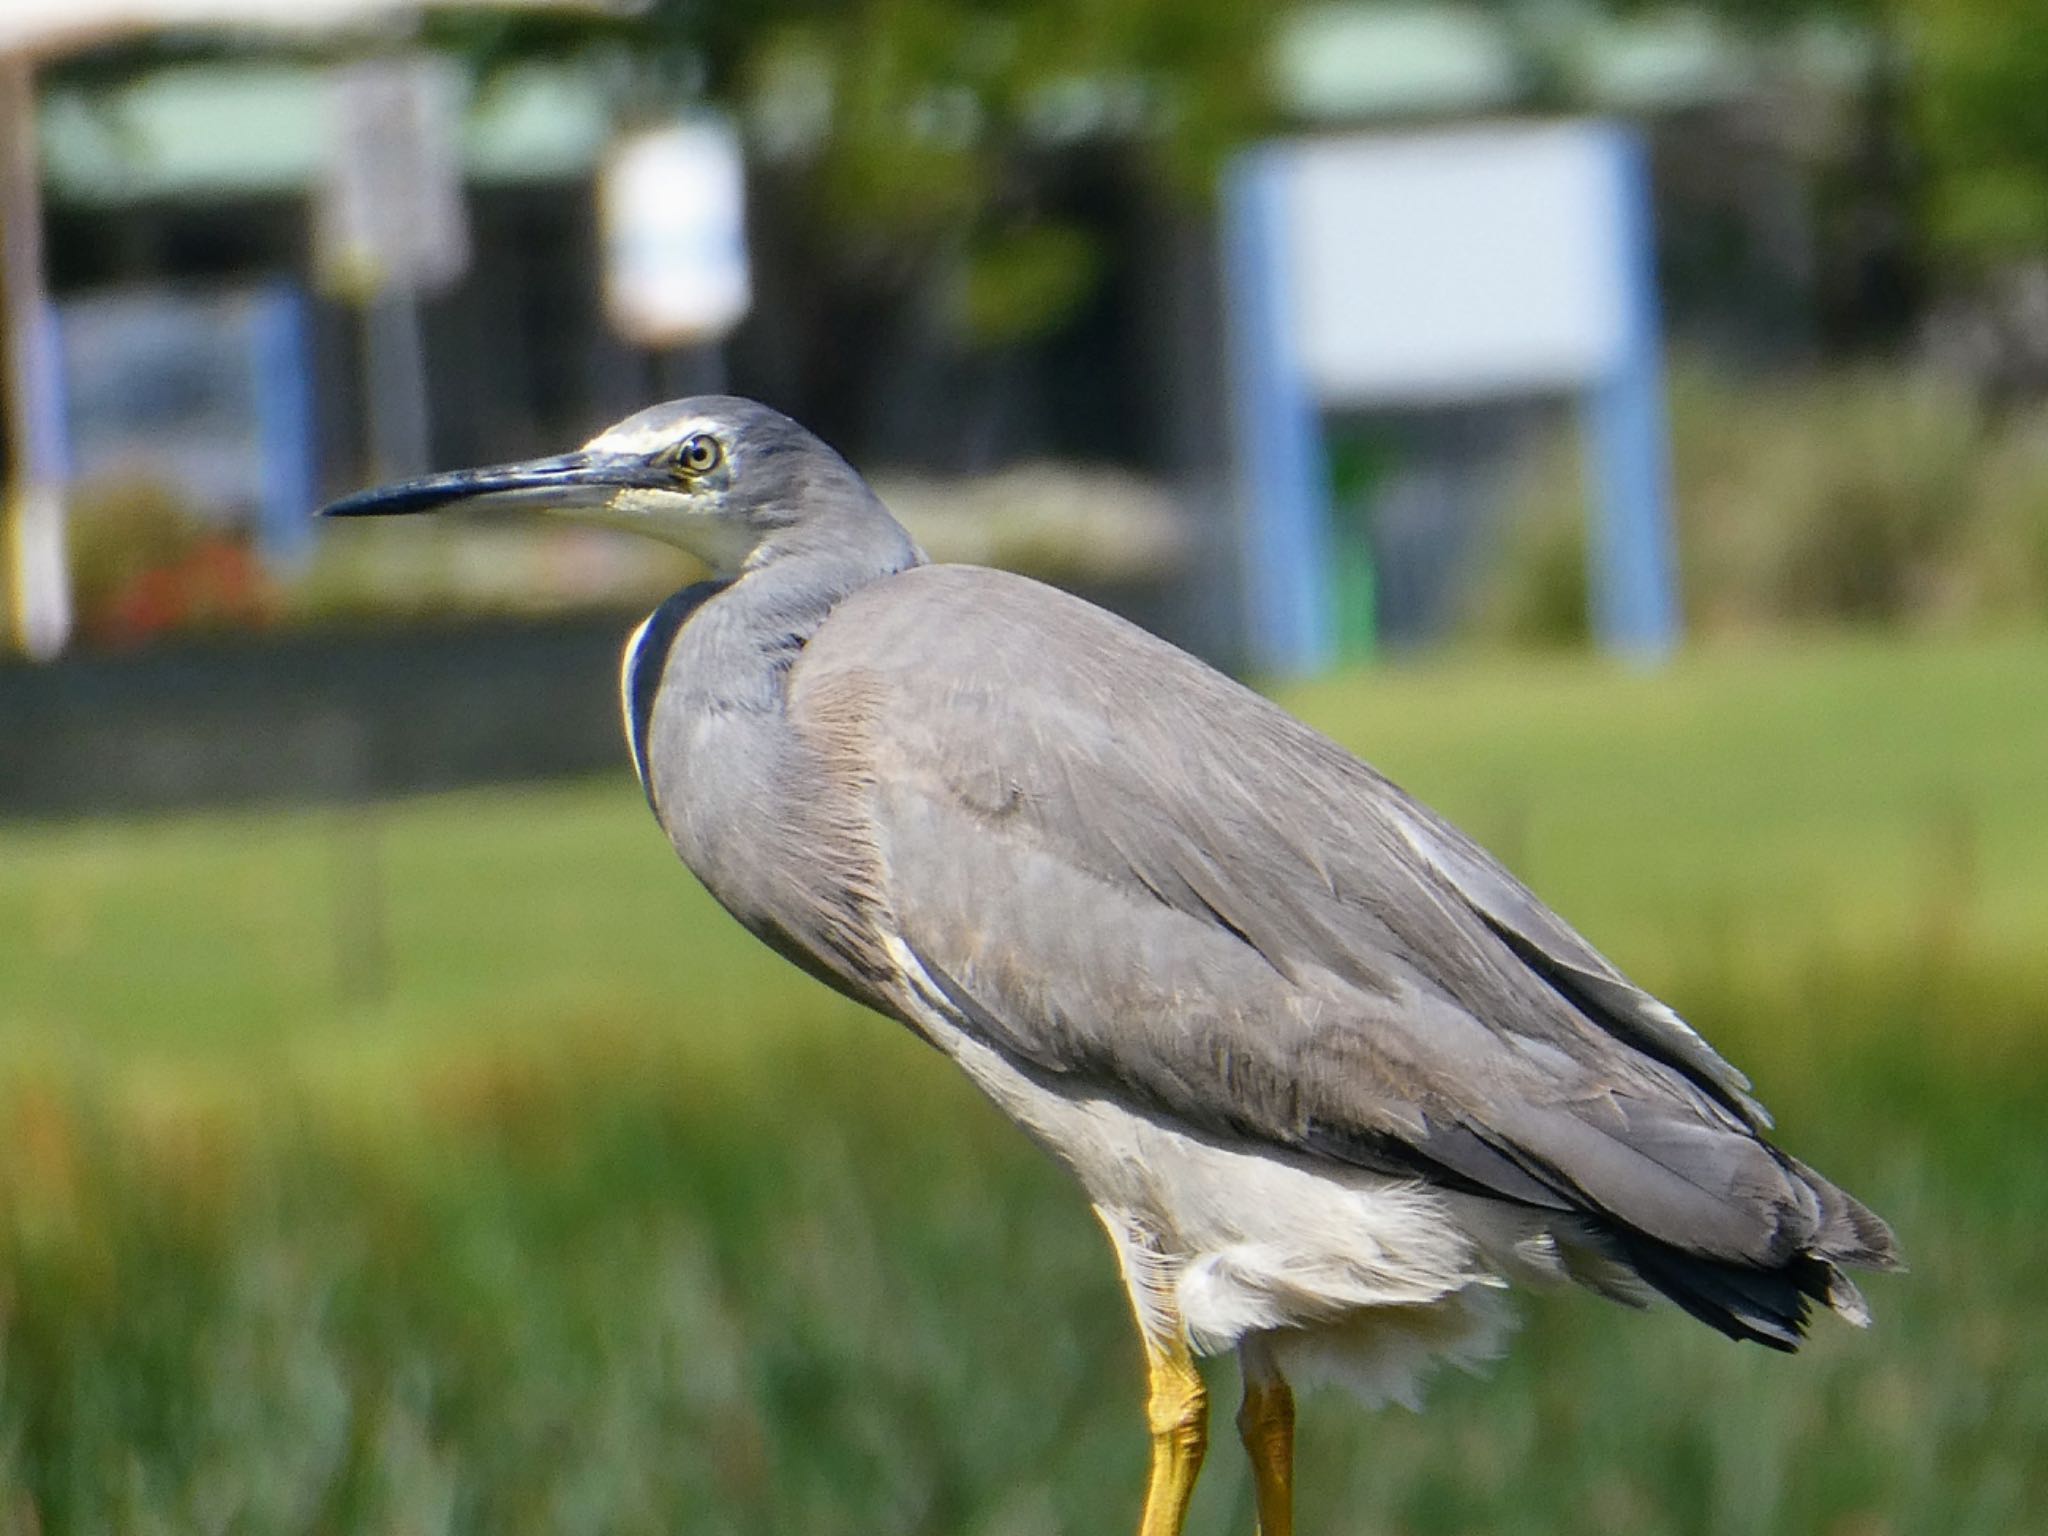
730	481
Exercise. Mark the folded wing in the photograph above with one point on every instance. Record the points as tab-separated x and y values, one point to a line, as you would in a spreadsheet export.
1129	872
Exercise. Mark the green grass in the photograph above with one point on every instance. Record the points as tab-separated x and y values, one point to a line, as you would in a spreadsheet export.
456	1165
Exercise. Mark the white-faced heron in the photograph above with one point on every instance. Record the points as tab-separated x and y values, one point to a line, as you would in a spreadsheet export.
1329	1075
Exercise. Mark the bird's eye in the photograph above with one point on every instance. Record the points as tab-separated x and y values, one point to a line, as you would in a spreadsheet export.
698	454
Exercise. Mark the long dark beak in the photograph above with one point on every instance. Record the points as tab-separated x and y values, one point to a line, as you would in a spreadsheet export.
567	482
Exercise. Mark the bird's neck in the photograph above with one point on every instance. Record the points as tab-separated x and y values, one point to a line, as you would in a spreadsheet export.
726	774
735	653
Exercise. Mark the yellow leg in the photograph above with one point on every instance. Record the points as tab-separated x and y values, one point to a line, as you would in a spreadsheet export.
1177	1411
1176	1402
1265	1422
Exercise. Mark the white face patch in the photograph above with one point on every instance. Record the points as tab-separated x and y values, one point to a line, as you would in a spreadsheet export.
695	523
644	437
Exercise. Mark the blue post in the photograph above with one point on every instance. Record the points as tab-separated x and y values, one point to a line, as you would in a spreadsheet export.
1633	580
1282	483
284	424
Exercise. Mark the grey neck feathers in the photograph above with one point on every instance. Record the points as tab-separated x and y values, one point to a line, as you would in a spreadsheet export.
737	651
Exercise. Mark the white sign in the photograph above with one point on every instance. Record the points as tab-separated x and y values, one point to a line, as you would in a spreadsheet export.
389	216
1458	265
674	212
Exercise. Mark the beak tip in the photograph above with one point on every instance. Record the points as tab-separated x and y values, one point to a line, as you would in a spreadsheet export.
432	493
389	501
361	504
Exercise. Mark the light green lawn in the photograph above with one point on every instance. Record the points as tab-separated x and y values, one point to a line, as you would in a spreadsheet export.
1848	793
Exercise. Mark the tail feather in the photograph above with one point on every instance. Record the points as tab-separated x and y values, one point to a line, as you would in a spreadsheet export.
1770	1306
1766	1307
1849	1231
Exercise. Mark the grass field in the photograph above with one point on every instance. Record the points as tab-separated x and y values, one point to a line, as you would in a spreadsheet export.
456	1166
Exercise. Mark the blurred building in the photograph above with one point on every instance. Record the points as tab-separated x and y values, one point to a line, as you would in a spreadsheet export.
193	183
204	174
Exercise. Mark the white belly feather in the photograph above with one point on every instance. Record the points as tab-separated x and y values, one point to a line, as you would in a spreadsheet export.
1359	1277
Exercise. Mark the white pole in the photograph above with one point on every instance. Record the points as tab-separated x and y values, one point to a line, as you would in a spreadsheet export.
38	578
395	386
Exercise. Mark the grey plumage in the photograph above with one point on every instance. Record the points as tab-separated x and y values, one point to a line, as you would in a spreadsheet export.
1170	928
1278	945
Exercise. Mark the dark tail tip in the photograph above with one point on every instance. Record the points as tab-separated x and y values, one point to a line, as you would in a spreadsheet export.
1763	1306
1770	1305
1849	1231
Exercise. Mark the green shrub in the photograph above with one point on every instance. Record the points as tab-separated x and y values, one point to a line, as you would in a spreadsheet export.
1862	497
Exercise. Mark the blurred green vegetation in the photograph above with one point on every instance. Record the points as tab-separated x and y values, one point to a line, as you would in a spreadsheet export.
1874	496
456	1165
907	148
1977	84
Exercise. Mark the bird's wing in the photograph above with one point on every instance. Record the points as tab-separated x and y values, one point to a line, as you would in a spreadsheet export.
1130	873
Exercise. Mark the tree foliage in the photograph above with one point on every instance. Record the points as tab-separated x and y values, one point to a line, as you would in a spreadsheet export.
909	129
1980	71
1972	81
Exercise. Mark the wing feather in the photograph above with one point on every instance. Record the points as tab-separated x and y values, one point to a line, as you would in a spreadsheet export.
1125	869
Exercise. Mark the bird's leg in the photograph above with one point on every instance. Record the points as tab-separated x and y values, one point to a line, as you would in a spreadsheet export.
1176	1402
1265	1422
1177	1411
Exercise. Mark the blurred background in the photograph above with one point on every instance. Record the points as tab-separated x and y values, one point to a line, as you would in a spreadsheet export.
1625	424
